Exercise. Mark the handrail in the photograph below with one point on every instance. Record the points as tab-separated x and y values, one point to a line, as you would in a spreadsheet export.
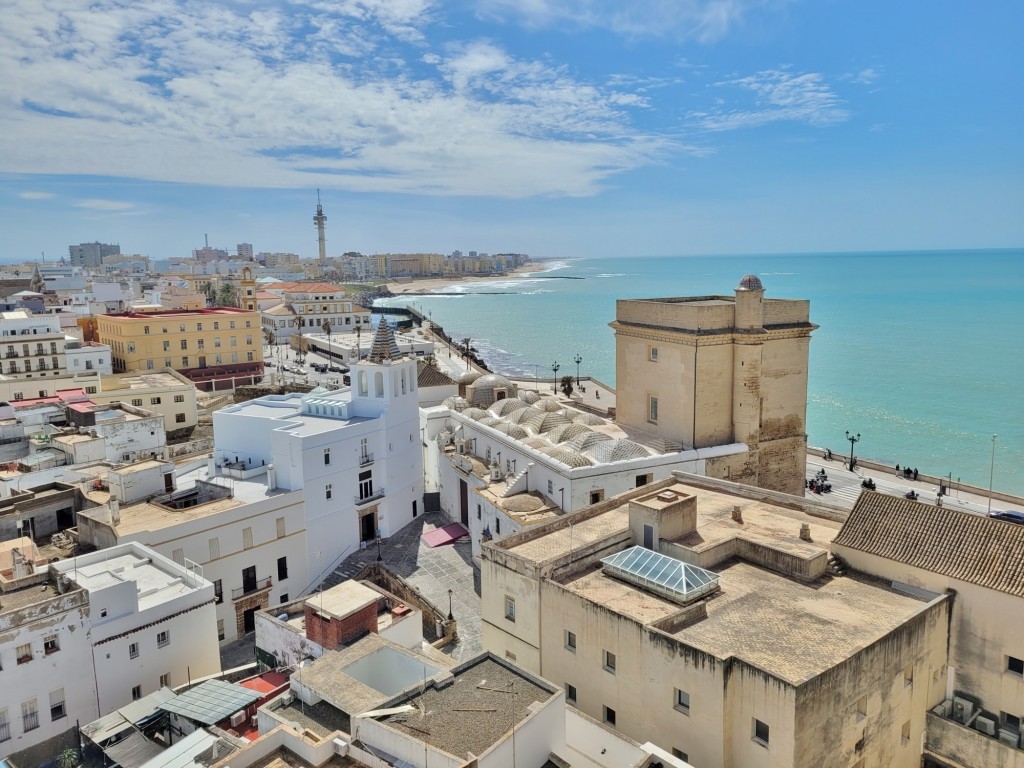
264	583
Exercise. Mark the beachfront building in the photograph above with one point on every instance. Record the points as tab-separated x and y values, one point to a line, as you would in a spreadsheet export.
704	616
87	635
304	308
32	345
215	348
976	561
705	371
500	460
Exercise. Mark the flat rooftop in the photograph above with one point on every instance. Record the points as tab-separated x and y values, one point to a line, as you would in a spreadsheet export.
153	584
472	714
287	410
140	381
282	757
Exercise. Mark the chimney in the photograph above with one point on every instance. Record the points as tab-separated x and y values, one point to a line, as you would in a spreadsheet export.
805	531
115	511
737	514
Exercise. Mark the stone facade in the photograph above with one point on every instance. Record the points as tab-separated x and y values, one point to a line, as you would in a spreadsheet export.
259	601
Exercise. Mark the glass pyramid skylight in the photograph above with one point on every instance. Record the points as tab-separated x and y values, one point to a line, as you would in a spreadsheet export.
663	575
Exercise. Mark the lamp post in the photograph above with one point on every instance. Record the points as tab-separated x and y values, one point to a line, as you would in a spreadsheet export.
554	382
853	440
577	360
991	473
536	376
379	558
450	616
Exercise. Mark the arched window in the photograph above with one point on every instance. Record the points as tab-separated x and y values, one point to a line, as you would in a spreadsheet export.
403	382
378	384
362	383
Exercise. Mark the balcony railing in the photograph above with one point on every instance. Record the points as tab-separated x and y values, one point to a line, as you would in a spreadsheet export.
365	459
248	589
373	496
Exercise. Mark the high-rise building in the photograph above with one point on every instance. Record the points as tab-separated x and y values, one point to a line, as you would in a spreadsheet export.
244	251
91	254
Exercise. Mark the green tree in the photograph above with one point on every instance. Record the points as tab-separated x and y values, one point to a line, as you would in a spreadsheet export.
68	758
227	295
566	385
209	292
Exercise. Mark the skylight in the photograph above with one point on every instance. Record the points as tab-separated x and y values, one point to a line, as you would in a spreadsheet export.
663	575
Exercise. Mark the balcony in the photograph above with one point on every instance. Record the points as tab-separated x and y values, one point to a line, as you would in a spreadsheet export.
366	459
373	496
250	589
10	354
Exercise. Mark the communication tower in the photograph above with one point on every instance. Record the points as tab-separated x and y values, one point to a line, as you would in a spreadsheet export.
320	220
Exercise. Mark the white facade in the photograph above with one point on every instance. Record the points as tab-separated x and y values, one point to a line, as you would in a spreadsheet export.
119	624
31	346
120	434
89	356
354	453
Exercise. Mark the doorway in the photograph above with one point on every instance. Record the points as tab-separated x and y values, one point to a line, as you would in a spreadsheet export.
464	503
249	620
368	527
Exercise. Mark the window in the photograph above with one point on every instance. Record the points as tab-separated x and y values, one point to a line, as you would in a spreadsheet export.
216	343
609	715
570	641
760	732
133	650
167	346
905	733
165	680
284	598
609	662
163	638
249	356
184	343
479	512
90	390
596	497
1009	722
328	491
551	487
218	591
280	528
652	354
676	752
220	629
29	715
24	653
136	692
1015	665
184	362
57	711
179	418
862	708
247	538
179	398
231	324
497	526
652	409
327	457
154	401
682	701
137	401
570	693
216	326
149	365
510	608
145	330
199	326
5	726
642	480
282	568
366	484
51	645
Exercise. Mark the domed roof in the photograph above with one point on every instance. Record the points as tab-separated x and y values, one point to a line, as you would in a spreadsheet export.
456	403
566	432
512	430
568	456
750	283
616	450
585	440
545	422
536	442
491	421
484	392
469	377
523	415
582	417
476	413
507	406
494	380
529	397
549	404
522	503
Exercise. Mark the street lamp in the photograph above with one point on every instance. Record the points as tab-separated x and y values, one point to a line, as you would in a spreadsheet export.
379	558
853	440
991	473
577	360
554	382
450	616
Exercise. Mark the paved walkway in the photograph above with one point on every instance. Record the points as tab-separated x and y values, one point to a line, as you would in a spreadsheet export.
433	571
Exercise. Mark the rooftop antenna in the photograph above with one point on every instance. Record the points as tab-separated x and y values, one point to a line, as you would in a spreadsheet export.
321	220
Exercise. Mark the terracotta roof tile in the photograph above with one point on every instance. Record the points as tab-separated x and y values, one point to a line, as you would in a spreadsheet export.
971	548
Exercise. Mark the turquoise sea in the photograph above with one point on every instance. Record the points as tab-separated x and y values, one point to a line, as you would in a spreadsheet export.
922	353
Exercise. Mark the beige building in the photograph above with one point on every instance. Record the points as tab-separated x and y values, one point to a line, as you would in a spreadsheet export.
705	371
215	348
979	562
706	617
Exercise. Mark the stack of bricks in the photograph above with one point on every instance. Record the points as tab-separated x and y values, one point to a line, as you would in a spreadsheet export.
333	632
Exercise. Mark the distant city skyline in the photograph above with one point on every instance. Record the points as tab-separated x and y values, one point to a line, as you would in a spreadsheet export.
558	129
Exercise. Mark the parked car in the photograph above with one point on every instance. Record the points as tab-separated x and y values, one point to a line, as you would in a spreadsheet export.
337	369
1010	516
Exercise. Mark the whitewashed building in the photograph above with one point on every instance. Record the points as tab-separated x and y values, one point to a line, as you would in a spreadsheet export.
93	633
89	356
31	346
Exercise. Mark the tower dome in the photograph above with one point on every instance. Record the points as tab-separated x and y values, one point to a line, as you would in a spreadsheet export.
750	283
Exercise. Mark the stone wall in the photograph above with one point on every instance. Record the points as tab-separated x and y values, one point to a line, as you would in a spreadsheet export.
332	633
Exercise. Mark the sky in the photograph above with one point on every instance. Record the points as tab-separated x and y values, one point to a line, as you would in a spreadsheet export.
558	128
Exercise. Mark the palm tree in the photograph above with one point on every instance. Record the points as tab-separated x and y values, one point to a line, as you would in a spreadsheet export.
68	758
567	385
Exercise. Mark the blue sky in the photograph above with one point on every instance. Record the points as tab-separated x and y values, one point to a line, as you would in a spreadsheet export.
559	128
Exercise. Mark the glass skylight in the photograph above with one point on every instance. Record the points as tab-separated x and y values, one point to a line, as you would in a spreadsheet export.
663	575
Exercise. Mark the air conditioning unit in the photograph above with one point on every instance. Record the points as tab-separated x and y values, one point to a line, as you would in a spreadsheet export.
287	699
962	709
238	718
340	747
986	725
943	709
1009	737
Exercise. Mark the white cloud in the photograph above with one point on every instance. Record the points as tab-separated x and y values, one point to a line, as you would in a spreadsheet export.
99	204
344	94
778	95
866	76
36	195
705	20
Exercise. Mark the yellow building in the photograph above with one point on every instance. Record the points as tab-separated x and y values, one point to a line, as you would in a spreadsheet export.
215	348
706	617
702	371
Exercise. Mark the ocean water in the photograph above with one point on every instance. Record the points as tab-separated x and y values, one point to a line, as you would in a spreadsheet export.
921	353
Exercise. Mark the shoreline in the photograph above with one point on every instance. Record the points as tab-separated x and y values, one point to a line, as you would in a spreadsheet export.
427	285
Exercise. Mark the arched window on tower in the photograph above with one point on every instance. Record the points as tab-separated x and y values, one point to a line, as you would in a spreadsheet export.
403	382
378	384
362	383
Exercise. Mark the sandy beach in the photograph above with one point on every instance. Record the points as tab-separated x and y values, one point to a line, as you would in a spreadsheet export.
425	284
